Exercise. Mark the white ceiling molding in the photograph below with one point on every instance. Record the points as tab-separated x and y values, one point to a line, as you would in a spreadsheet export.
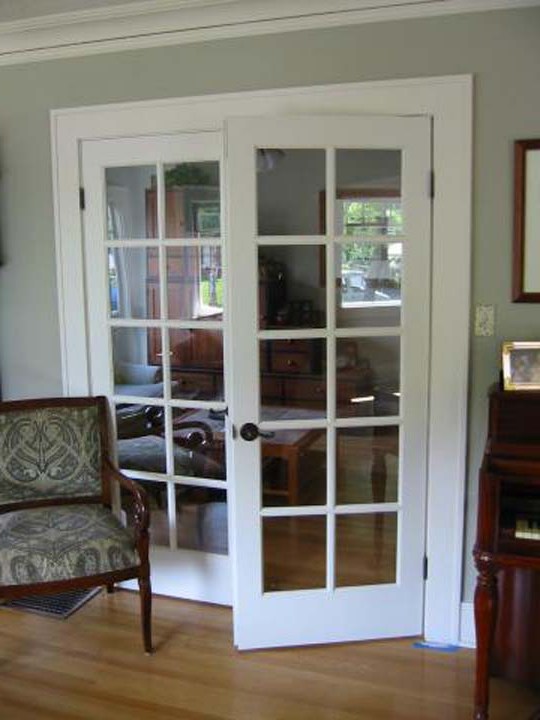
151	23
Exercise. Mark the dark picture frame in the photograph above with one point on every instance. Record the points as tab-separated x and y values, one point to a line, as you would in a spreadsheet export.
525	284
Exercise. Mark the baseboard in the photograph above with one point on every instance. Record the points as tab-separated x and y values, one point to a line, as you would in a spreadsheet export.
467	633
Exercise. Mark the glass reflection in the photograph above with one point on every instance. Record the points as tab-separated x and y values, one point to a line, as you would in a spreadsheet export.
140	433
194	283
201	519
137	361
368	196
362	213
368	376
368	282
294	551
293	379
288	186
366	549
134	283
131	202
199	443
367	465
196	364
293	466
192	200
290	292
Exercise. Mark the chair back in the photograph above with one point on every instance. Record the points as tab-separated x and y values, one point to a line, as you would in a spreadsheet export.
51	450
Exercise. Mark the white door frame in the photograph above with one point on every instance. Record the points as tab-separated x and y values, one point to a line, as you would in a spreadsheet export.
448	100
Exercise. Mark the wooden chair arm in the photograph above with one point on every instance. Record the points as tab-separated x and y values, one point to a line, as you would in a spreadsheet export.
141	514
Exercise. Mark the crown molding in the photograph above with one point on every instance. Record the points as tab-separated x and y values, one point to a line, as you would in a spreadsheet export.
153	23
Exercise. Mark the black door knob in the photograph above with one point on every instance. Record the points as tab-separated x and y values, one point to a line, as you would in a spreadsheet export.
249	432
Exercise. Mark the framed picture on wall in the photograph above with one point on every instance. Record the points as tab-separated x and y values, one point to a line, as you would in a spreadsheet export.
521	365
526	269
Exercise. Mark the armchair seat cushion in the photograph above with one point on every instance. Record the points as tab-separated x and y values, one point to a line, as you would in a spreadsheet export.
62	543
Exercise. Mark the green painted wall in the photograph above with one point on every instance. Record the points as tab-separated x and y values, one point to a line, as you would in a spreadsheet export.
501	49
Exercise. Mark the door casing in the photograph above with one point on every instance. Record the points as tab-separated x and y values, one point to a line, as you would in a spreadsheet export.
448	100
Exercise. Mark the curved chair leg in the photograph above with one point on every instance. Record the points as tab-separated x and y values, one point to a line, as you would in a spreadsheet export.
146	611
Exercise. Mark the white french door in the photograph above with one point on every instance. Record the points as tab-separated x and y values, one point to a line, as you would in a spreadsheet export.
155	305
329	247
321	353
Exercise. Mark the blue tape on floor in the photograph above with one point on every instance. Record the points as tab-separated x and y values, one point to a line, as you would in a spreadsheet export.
440	647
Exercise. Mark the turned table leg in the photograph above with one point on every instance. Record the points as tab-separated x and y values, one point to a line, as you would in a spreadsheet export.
485	612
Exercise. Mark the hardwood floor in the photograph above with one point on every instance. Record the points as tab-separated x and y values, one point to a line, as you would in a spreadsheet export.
92	667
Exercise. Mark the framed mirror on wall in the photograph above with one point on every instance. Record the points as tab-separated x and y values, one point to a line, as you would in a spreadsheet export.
526	270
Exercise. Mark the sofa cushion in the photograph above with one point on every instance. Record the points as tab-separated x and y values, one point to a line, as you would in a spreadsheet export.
48	453
61	543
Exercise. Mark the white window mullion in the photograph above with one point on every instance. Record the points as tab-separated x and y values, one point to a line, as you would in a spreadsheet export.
330	368
171	510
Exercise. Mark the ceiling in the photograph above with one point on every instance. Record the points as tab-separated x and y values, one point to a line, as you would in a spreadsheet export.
36	30
11	10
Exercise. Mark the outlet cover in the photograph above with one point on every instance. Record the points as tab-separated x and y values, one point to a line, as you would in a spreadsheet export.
484	320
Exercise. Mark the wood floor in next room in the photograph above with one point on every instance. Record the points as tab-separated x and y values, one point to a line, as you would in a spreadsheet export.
92	667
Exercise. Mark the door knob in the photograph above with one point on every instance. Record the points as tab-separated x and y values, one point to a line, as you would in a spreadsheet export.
249	432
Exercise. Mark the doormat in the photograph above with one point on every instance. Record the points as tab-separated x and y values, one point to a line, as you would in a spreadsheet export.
59	606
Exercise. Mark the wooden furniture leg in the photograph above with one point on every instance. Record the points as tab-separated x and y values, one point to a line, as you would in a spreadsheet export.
145	591
110	588
485	612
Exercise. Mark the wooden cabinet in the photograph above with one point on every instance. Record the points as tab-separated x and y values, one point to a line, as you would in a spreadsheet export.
509	501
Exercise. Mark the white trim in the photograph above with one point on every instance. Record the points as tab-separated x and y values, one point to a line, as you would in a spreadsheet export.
449	101
467	632
154	23
176	573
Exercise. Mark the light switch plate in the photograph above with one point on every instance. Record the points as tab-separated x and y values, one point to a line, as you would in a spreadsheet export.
484	320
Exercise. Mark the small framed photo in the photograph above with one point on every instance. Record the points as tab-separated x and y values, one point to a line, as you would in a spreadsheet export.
521	365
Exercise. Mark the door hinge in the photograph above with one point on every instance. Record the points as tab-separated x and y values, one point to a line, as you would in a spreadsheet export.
425	567
82	201
431	184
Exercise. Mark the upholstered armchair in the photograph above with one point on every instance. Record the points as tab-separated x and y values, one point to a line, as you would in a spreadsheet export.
57	530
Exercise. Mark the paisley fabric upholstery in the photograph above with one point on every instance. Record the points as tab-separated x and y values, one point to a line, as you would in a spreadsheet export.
48	453
61	543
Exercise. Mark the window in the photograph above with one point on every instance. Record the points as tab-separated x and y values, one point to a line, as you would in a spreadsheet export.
370	271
